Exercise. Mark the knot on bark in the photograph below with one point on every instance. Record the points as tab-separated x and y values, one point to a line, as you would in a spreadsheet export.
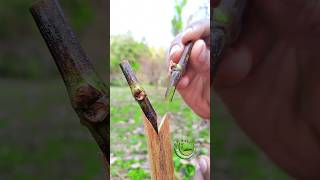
138	93
91	104
175	67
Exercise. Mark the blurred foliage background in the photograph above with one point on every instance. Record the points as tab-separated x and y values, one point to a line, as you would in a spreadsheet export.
129	159
148	62
41	136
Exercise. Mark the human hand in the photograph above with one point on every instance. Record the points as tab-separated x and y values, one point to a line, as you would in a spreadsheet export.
269	80
194	86
202	168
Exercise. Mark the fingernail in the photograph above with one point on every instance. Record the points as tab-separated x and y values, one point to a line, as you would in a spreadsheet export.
188	30
203	165
174	49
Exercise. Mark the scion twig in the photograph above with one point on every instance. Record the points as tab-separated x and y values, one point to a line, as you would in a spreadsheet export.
177	71
139	94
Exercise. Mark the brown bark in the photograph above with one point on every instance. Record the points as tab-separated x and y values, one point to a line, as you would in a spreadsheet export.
89	96
139	94
158	137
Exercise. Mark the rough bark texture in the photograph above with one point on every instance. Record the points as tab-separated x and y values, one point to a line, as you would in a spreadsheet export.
160	150
88	94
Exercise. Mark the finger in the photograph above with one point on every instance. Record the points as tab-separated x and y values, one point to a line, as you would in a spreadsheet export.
205	166
200	56
202	168
234	67
250	49
186	79
176	49
197	30
198	174
183	83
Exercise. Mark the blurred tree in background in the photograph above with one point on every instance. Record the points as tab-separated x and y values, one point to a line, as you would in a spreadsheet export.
125	47
148	62
154	67
177	22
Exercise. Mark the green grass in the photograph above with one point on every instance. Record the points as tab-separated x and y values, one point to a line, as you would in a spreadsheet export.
41	136
128	142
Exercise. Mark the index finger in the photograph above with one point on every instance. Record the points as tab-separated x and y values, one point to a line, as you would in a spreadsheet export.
176	49
198	30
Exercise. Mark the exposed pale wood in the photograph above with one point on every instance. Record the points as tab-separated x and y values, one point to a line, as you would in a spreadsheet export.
160	149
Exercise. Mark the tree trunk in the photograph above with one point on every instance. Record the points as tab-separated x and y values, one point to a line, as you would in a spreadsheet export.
89	96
